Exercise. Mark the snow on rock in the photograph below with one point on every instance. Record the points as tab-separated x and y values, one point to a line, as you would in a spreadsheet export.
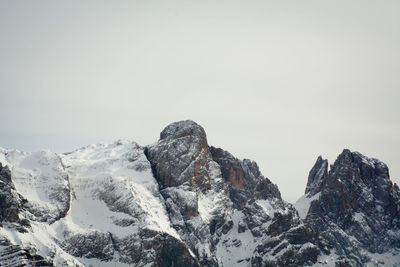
41	179
94	203
357	208
236	247
181	202
302	205
114	181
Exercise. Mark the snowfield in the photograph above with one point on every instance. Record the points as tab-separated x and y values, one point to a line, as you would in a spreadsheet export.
112	191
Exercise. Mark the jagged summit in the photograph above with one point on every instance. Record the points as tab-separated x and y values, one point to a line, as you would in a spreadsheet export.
347	165
180	202
187	157
317	175
365	167
245	178
183	128
354	205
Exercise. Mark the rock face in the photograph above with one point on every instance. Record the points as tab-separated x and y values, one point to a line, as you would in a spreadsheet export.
11	205
181	202
244	177
14	255
279	237
9	198
357	208
317	176
224	208
188	178
181	156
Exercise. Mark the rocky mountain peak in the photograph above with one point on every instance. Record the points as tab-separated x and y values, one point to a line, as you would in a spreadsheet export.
355	165
215	198
354	182
317	175
180	156
180	202
357	197
183	128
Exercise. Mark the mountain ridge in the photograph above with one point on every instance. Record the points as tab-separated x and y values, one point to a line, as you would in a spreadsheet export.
181	202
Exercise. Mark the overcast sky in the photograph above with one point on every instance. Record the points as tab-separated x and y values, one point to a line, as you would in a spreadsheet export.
279	82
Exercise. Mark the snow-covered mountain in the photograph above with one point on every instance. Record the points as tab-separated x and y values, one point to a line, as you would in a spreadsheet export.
181	202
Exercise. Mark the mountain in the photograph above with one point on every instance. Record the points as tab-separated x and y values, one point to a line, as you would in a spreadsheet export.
355	207
182	202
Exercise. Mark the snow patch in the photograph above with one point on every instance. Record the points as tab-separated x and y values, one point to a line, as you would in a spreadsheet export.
111	189
302	205
385	259
234	248
267	207
115	174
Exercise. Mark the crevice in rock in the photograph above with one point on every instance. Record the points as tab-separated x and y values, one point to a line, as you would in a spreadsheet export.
152	165
64	212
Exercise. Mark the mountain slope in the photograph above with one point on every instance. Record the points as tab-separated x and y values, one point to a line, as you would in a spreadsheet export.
115	212
181	202
222	207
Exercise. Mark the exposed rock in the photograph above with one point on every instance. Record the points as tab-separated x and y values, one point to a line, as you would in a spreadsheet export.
181	156
42	173
93	244
316	176
358	207
227	227
241	228
171	252
179	202
10	203
151	247
244	177
182	164
14	255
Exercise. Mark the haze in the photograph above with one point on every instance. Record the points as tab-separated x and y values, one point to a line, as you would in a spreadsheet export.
279	82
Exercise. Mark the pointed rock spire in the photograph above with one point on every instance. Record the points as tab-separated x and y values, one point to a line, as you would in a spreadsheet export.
316	176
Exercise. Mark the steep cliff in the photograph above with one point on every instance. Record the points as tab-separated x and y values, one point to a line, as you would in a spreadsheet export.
182	202
356	208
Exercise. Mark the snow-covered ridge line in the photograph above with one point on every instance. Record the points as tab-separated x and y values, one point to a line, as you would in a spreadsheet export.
181	202
108	181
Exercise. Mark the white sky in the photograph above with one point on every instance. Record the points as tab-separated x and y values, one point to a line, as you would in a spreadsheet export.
279	82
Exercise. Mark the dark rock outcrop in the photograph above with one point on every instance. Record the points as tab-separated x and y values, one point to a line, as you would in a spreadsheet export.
10	201
15	255
171	252
317	175
94	244
358	207
181	156
182	165
244	177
